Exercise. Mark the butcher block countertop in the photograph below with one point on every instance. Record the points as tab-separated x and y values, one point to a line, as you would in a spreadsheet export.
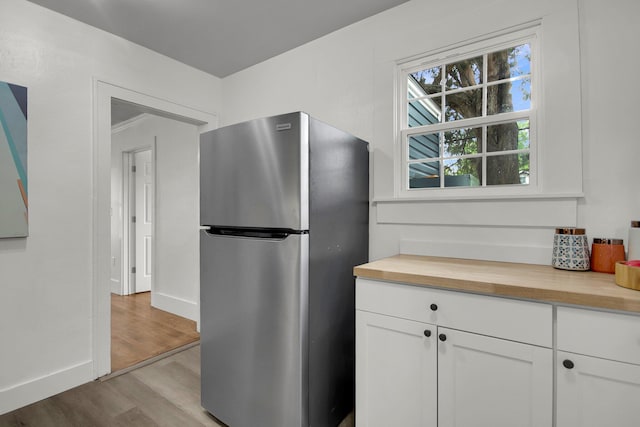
534	282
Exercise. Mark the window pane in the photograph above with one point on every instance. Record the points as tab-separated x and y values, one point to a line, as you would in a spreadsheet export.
508	136
424	112
464	73
424	175
462	141
424	82
424	146
465	172
508	63
464	105
508	169
510	96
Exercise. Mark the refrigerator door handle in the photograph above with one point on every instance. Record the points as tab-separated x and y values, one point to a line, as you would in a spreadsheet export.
254	233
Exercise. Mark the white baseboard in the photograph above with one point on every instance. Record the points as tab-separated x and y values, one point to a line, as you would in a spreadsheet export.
31	391
116	288
175	305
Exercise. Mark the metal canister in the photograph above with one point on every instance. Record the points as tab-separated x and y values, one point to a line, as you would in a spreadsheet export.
570	249
605	253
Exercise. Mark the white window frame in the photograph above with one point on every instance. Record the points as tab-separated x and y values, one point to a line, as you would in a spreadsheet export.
530	33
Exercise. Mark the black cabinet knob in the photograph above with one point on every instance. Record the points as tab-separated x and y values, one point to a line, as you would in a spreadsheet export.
568	364
427	333
433	307
442	337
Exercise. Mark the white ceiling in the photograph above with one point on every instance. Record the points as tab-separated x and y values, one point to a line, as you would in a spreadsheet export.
219	37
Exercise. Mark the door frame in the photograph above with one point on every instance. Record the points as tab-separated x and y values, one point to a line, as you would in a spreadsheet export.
103	92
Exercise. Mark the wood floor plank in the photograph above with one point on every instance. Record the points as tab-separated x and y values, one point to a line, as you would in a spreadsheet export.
79	410
156	407
140	331
178	384
41	414
135	417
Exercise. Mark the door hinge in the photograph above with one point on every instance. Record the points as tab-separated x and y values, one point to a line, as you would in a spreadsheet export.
133	168
133	270
133	219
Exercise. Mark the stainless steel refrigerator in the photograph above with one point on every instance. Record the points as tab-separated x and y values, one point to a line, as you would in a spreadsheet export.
284	208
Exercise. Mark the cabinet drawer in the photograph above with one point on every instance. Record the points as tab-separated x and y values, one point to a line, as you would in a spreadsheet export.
602	334
510	319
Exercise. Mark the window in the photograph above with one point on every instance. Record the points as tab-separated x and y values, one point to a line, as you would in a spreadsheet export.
467	116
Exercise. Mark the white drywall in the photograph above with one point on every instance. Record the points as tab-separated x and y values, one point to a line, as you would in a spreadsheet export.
46	293
176	286
347	79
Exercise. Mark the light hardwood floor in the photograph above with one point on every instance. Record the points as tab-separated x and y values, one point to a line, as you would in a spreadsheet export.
164	393
140	332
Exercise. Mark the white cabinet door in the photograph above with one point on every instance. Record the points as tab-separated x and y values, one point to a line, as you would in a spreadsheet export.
595	392
396	378
484	381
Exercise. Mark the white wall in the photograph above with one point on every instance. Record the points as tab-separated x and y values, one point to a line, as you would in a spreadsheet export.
46	279
176	286
347	78
611	107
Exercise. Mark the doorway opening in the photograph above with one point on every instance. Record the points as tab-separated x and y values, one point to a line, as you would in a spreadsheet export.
155	302
142	328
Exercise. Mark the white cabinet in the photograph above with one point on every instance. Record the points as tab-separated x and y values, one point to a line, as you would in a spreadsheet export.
478	365
596	392
485	381
395	372
598	369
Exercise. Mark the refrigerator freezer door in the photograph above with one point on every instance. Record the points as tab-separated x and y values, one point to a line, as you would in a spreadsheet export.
254	321
255	174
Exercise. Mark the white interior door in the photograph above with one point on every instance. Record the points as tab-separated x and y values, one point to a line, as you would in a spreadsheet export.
143	162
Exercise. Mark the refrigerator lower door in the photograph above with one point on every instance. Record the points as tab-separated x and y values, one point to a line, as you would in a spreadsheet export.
254	296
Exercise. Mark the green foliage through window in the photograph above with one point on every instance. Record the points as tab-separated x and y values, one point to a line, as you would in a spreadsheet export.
478	108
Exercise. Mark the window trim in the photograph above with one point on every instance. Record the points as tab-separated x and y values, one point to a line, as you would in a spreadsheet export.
526	33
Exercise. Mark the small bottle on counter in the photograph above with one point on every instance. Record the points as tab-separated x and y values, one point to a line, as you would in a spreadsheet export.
634	241
605	253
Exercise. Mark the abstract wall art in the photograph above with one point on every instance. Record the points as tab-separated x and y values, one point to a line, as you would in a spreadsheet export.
14	189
